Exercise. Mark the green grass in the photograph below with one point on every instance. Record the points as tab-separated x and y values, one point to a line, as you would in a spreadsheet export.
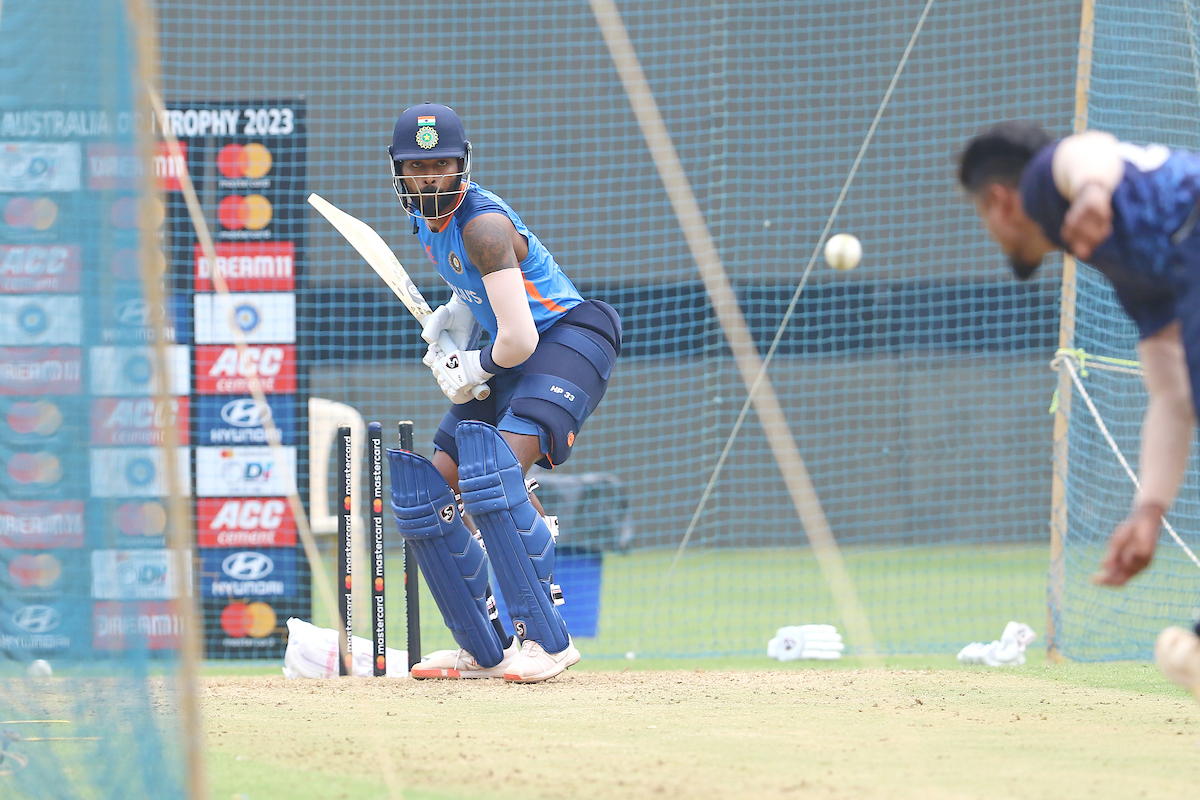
725	602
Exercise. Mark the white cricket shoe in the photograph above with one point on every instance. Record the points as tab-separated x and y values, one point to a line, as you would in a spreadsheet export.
456	664
1177	652
533	664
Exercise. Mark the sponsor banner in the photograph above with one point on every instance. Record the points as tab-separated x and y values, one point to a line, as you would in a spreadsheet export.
40	320
239	420
42	474
136	472
44	421
41	370
26	268
221	369
127	318
119	166
117	371
41	524
244	471
145	625
41	576
246	628
40	166
245	522
261	317
248	573
139	420
136	574
131	523
37	628
249	267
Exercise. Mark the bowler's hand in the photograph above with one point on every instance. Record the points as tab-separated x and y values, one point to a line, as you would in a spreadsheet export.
1131	546
1088	221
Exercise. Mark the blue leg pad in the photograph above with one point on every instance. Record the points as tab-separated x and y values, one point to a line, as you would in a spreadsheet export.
451	558
519	543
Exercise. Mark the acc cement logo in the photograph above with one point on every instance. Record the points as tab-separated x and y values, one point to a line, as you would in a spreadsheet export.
247	566
242	413
36	619
247	317
32	319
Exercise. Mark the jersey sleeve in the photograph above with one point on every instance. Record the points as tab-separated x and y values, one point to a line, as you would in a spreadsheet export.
474	204
1040	197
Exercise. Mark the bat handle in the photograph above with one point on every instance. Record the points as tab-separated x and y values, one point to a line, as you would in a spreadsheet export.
447	345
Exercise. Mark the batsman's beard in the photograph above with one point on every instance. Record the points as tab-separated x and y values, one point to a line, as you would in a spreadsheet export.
435	204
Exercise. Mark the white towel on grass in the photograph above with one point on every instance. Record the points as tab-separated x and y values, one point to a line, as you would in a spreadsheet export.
794	642
312	652
1007	651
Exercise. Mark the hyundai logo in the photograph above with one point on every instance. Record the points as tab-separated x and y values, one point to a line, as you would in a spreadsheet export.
133	312
242	413
247	566
36	619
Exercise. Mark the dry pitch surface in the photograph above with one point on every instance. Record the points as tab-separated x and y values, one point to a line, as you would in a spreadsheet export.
706	734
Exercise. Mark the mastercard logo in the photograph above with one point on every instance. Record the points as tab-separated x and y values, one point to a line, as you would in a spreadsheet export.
39	417
147	213
377	504
141	519
30	468
252	211
379	584
244	161
256	620
26	212
125	264
346	503
40	571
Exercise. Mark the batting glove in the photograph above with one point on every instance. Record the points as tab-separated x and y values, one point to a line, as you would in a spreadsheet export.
458	373
432	354
456	319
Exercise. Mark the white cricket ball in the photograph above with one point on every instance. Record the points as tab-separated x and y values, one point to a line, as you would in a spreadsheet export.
630	655
843	251
39	669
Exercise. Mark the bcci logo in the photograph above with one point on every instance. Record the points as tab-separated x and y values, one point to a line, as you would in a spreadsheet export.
427	138
455	263
447	513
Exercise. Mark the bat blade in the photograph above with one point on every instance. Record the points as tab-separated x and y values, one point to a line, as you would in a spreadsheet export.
375	251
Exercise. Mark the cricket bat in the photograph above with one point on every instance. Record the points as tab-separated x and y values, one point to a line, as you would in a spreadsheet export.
375	251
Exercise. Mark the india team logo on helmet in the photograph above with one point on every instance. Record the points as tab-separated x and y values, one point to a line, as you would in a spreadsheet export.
427	135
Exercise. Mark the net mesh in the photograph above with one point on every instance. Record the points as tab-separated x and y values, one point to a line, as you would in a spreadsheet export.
1144	89
88	619
916	386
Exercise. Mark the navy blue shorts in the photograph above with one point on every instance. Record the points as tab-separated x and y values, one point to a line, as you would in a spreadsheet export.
555	390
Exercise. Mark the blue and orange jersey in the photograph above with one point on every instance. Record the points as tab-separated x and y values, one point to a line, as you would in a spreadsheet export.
550	292
1157	194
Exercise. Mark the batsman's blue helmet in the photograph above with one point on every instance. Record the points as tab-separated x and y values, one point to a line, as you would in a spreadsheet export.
429	131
